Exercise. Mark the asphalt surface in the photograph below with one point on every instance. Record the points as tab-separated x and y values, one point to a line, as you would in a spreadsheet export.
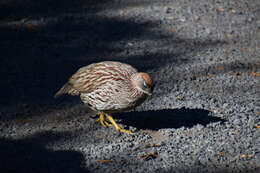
204	57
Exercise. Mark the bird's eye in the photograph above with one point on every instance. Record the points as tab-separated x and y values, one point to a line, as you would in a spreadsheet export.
145	85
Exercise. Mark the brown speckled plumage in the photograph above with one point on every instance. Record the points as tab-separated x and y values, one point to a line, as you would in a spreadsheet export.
109	86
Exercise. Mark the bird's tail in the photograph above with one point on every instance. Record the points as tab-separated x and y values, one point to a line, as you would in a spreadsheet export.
66	89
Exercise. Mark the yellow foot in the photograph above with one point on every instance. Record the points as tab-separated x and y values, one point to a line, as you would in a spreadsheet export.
118	128
102	120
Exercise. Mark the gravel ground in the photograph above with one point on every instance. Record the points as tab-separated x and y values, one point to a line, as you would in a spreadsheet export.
204	57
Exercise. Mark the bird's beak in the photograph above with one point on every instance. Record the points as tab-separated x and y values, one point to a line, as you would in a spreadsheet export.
149	96
149	92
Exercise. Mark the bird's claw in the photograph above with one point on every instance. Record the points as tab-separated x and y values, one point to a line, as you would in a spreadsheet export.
118	128
125	131
102	120
108	121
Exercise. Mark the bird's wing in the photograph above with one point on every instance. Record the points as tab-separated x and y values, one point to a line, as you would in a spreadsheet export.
84	80
90	77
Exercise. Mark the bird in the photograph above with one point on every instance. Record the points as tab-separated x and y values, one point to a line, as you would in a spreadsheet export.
109	87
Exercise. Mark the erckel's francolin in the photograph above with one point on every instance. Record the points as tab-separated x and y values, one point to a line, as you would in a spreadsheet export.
108	87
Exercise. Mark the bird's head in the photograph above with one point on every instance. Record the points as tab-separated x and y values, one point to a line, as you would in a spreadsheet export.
143	82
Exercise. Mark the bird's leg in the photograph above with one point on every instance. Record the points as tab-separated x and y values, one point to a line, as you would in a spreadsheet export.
102	120
120	129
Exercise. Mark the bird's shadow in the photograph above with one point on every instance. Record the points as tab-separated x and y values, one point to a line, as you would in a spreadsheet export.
167	118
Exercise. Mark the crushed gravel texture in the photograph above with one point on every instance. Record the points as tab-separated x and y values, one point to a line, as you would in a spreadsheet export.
204	57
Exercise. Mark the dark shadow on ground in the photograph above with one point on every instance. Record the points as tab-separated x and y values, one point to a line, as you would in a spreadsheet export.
39	53
167	118
21	9
36	64
30	155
